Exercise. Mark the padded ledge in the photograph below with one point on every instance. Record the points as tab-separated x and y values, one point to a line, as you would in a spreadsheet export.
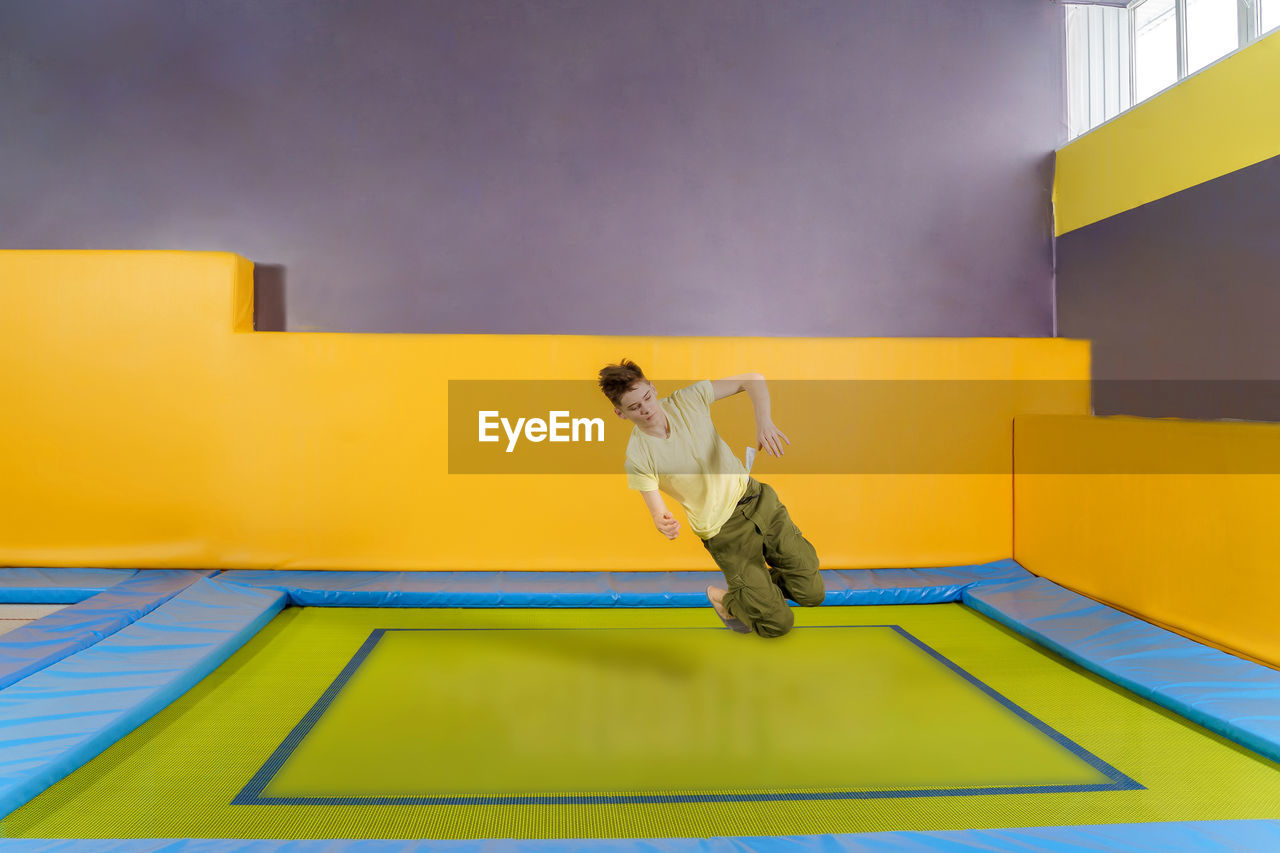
1181	837
1223	693
51	638
60	717
600	589
57	586
915	586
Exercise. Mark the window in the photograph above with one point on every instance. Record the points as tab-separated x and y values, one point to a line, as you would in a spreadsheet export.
1270	16
1119	55
1155	47
1098	48
1213	31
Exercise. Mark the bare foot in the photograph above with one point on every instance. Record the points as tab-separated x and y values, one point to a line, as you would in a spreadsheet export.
716	595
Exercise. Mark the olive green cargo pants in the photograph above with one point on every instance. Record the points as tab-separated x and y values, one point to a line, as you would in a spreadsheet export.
765	561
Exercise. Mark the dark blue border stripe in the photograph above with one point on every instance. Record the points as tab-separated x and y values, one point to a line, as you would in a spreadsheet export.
1120	781
615	799
252	794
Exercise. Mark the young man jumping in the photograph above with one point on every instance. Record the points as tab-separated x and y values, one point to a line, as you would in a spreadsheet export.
674	448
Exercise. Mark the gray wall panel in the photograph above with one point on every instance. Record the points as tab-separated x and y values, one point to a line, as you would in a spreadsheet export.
1181	298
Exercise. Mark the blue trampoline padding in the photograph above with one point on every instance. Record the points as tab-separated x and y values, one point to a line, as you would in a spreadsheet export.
51	638
1179	837
1223	693
55	720
57	586
481	589
915	586
601	589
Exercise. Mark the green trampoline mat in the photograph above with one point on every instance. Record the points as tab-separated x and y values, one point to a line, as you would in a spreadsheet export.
353	723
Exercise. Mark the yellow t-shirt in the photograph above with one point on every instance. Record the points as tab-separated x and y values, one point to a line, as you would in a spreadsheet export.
692	464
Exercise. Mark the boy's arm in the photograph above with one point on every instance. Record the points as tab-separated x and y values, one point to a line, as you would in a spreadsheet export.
768	437
668	525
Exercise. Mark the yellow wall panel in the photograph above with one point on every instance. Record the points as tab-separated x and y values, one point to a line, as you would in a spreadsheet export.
1173	520
1213	123
150	426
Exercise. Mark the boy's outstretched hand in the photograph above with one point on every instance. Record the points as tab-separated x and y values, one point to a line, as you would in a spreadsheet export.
668	525
770	439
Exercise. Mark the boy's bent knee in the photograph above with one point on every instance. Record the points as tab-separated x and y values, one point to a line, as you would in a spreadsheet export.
812	592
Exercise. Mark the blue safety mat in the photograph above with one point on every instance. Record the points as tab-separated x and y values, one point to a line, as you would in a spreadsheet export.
1223	693
601	589
57	586
51	638
55	720
1184	837
915	586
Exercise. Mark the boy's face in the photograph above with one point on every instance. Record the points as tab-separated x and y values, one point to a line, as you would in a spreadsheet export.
640	404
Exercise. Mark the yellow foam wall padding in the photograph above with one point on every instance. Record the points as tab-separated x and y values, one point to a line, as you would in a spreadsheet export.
1211	124
1194	548
147	425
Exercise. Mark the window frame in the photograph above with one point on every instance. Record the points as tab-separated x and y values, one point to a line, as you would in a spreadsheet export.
1119	85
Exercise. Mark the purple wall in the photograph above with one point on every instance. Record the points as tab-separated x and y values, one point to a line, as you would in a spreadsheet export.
717	167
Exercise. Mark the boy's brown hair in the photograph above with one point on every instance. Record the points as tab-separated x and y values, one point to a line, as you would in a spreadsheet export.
617	379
